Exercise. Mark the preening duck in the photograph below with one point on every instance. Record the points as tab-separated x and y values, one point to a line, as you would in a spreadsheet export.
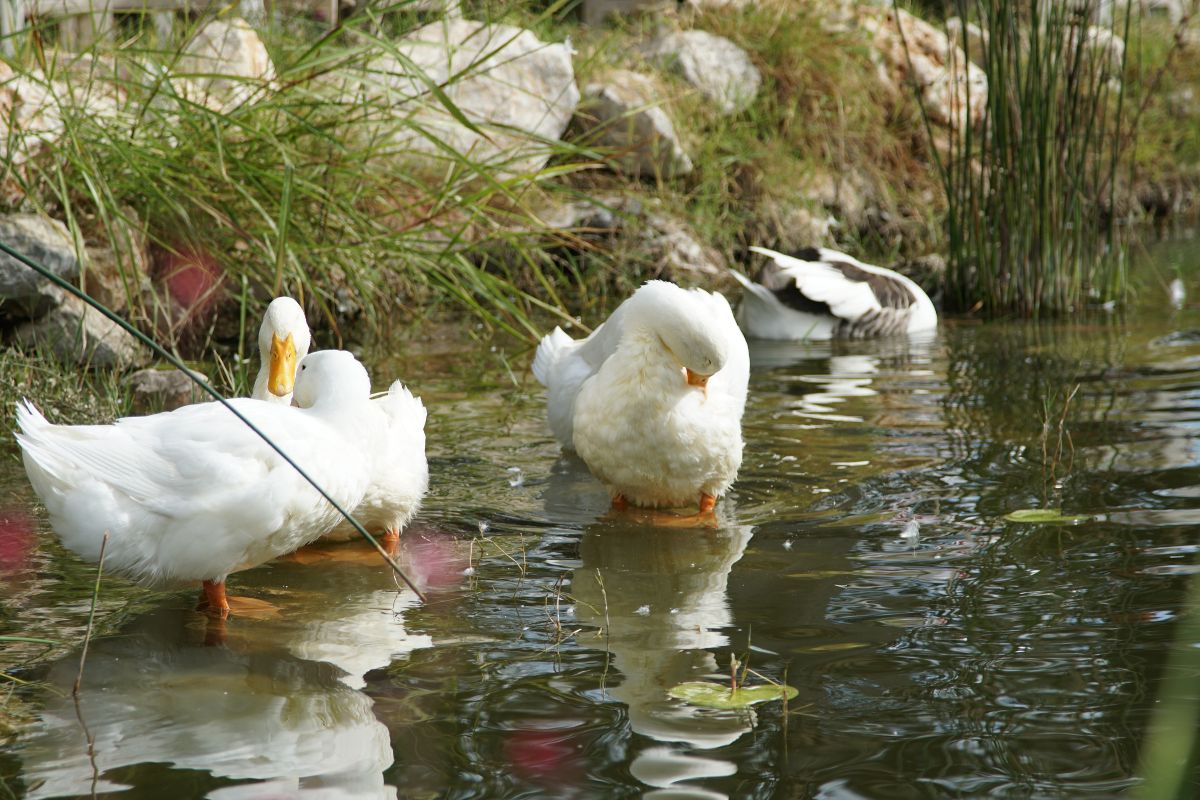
283	339
652	400
194	494
820	293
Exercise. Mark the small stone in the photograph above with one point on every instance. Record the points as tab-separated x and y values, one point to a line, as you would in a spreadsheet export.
715	66
76	333
24	294
622	113
164	390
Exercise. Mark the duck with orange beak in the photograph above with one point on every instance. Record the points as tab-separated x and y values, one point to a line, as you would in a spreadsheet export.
652	401
283	339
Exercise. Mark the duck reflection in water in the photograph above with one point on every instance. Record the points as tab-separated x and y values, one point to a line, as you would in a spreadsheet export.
157	694
661	593
275	705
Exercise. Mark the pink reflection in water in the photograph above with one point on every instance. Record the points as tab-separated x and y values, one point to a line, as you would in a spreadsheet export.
436	560
17	531
550	757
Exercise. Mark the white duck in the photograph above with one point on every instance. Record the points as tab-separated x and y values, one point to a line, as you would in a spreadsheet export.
824	294
652	401
283	339
194	494
399	471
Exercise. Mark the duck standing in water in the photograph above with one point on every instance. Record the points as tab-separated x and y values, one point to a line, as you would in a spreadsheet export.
194	494
823	294
399	470
652	400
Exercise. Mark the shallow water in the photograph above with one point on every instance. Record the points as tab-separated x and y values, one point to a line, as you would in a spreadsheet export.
863	557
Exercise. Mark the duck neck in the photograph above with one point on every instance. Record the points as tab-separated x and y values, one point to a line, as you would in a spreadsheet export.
643	359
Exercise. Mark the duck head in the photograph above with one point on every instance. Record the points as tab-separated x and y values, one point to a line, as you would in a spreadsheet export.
685	324
330	377
283	340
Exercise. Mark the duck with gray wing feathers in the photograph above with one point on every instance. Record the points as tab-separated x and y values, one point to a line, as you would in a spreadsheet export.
819	293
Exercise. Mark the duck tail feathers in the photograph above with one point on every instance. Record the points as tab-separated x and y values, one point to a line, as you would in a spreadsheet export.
401	402
553	345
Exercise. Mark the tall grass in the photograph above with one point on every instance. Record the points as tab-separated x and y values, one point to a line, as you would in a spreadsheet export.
306	185
1030	222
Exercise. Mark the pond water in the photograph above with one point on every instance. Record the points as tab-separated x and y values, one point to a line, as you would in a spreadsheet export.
863	557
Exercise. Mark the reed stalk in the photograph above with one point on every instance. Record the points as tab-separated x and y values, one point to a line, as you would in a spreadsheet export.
1031	224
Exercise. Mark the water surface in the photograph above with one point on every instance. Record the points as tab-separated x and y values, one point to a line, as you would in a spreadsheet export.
864	557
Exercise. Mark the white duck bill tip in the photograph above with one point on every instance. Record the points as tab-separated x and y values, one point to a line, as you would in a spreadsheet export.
696	379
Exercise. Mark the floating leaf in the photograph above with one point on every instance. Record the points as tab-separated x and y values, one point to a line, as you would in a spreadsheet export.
716	695
1045	516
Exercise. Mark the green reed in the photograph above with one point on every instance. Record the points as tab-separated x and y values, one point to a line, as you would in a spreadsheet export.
1031	191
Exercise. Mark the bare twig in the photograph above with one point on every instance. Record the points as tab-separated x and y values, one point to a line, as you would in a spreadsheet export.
87	636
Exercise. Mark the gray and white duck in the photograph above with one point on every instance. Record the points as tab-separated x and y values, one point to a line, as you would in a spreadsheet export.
819	293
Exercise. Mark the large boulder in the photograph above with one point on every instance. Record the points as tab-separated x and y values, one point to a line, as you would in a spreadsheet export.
715	66
224	63
75	333
517	90
953	91
623	113
24	294
33	108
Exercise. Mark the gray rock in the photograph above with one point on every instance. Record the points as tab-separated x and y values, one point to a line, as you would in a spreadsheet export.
164	390
24	294
226	62
75	333
115	271
714	65
679	251
790	226
596	11
970	37
623	113
516	88
909	50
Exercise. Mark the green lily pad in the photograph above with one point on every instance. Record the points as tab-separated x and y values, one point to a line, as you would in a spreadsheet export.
716	695
1045	516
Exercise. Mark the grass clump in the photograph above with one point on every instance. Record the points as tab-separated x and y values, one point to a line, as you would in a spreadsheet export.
306	183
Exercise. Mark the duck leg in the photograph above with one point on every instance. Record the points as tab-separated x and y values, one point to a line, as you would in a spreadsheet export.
390	542
665	519
213	599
